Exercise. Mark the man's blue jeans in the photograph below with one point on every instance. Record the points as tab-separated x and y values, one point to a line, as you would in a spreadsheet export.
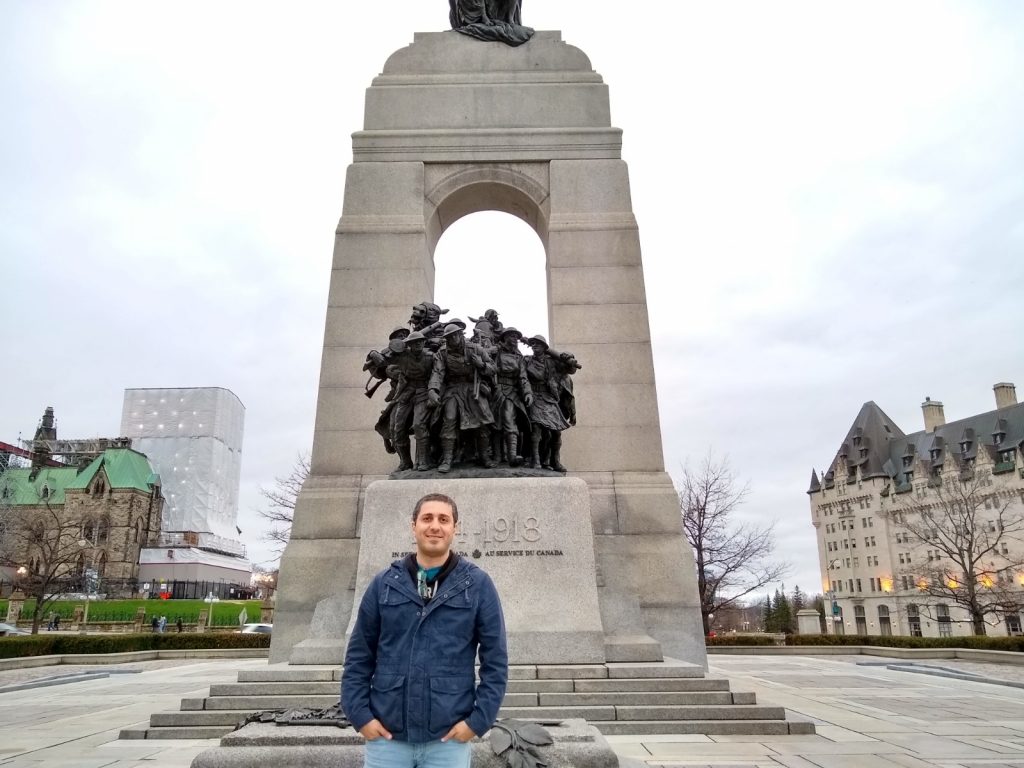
388	753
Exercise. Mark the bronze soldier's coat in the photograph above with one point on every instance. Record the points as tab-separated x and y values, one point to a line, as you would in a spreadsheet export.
454	377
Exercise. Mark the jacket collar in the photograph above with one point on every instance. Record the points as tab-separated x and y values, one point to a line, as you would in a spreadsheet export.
458	581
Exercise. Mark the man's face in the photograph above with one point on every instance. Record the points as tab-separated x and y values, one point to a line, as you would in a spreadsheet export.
434	529
416	346
509	342
537	347
454	341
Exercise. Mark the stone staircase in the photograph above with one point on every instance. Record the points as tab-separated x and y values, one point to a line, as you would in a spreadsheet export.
624	698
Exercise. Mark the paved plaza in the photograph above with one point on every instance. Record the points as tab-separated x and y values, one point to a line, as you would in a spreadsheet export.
866	714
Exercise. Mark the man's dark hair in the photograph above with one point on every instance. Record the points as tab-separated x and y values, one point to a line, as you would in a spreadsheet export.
436	497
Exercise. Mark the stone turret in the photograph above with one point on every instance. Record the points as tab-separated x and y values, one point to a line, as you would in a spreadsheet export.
46	430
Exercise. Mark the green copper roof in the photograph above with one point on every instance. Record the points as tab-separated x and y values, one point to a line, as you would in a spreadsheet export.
124	468
18	487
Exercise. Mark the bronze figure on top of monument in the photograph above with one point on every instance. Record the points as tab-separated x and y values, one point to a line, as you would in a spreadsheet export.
492	20
476	402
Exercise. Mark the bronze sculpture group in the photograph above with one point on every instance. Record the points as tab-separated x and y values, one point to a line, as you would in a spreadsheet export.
492	20
476	400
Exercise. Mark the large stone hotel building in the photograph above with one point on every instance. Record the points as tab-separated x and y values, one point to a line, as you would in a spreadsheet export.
895	511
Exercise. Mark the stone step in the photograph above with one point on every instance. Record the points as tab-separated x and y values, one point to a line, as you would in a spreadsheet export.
708	727
651	685
250	697
258	703
182	732
549	695
283	673
735	712
668	668
594	713
328	687
647	685
558	713
204	717
278	688
619	698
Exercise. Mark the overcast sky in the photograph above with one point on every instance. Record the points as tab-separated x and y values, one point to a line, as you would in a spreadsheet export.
830	199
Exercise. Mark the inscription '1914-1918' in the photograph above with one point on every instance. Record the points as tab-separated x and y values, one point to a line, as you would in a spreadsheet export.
482	533
501	530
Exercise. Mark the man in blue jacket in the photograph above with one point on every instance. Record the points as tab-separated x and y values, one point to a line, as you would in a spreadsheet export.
409	684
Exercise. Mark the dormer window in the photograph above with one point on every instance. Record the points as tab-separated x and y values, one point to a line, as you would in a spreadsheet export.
907	460
45	493
998	437
965	446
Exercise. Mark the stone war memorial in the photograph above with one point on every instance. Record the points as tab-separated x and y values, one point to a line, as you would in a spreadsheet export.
456	125
554	457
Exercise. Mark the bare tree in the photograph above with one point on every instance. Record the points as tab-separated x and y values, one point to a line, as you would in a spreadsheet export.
733	558
41	539
280	503
972	535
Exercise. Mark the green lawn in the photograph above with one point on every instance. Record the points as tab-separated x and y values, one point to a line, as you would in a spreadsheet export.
225	612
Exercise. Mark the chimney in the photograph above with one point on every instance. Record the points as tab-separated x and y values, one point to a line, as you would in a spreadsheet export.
934	416
1006	395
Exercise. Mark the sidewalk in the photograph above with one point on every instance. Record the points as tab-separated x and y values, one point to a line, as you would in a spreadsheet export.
867	715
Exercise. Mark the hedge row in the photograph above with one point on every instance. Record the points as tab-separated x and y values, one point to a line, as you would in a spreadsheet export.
46	645
741	640
979	642
225	612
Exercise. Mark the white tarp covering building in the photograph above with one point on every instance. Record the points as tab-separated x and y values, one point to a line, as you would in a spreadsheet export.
193	437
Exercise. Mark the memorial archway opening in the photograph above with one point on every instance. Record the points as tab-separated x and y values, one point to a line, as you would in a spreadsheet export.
492	259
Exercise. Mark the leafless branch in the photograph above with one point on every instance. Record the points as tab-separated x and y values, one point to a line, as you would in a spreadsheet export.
967	526
733	559
280	503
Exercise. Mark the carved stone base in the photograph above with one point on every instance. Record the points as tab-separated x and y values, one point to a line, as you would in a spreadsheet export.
531	535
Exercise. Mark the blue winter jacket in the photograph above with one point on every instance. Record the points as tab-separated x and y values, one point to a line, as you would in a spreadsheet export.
411	664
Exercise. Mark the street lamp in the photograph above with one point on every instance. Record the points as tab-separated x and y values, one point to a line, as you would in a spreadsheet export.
830	595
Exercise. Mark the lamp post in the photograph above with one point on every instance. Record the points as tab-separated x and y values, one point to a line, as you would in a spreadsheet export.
830	595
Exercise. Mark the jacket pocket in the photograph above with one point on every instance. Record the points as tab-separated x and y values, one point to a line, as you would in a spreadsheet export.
387	701
453	622
451	700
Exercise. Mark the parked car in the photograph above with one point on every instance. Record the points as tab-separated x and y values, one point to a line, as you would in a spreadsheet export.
256	629
7	630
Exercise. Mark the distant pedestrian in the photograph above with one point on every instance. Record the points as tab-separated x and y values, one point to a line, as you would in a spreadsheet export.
155	623
163	624
56	622
178	623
